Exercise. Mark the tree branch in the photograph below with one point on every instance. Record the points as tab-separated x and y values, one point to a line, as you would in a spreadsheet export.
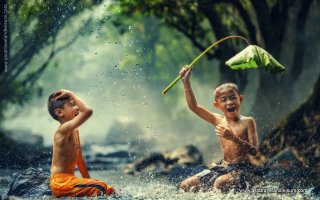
247	20
300	45
33	77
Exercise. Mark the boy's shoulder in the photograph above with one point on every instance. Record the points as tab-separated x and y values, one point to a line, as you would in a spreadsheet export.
61	131
246	118
249	121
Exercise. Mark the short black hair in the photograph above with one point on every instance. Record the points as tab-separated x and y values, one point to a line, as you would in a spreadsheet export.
224	86
54	103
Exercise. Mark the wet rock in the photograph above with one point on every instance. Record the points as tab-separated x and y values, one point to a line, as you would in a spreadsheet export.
177	164
107	156
188	155
30	183
289	171
18	155
180	173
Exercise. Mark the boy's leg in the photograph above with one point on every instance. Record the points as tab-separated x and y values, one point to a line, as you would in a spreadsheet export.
224	182
191	183
203	180
67	185
92	187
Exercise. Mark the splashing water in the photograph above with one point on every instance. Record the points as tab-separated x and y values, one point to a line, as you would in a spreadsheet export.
134	187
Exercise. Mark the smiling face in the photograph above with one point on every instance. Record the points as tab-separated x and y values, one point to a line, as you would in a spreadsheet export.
228	100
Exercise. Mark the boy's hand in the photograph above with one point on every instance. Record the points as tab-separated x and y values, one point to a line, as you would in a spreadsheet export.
62	94
225	132
185	73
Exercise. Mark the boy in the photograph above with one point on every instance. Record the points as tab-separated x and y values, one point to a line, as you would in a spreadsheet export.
238	138
71	112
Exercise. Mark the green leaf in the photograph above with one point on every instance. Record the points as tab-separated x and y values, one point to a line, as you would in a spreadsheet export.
254	57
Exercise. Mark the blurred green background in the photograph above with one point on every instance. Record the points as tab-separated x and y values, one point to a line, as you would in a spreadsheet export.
119	55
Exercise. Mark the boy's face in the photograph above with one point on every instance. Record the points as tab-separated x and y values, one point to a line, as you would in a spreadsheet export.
228	101
69	111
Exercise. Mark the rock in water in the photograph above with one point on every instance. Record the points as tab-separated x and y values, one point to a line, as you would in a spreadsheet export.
30	183
184	160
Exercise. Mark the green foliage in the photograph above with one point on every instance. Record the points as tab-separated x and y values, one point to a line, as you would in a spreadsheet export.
263	22
157	50
34	27
254	57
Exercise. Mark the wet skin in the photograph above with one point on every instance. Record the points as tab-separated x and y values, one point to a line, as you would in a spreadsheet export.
238	134
67	148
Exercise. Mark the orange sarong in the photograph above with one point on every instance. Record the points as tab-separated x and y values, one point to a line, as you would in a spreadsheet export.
67	185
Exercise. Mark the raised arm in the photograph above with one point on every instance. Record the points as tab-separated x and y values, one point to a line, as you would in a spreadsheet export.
84	111
191	99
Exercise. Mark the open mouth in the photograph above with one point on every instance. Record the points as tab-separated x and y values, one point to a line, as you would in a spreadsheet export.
231	109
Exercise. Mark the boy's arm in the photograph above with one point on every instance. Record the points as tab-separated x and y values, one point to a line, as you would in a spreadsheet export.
191	99
84	111
253	134
81	163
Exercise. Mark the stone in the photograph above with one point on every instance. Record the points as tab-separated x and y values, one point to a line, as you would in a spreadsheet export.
30	183
177	164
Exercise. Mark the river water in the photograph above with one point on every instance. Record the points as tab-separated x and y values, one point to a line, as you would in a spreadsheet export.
135	187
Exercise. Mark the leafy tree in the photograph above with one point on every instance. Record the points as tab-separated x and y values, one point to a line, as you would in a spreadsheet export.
262	22
154	50
34	27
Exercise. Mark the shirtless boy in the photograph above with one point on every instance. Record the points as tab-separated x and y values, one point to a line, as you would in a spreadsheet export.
238	138
65	107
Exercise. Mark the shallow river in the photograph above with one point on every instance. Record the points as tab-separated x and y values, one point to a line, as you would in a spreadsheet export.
132	187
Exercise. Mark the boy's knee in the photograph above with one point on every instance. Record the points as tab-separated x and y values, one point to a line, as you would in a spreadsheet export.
223	183
184	185
192	183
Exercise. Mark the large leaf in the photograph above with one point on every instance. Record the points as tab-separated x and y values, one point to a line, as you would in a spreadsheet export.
254	57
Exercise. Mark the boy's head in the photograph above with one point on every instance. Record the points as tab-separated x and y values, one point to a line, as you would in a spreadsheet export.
62	108
228	99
